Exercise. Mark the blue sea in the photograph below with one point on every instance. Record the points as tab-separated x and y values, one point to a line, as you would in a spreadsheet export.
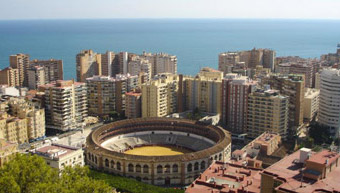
196	42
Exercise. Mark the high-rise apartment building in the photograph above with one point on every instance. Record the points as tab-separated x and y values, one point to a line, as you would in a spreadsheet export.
53	69
65	104
22	63
204	91
88	65
329	104
160	96
311	104
292	86
133	106
250	58
267	111
235	91
305	68
106	94
161	63
108	60
140	67
227	60
9	76
36	77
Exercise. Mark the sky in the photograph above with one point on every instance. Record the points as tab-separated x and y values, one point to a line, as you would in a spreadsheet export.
77	9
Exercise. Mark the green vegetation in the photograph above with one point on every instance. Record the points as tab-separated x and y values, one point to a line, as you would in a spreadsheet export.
318	137
320	134
195	115
123	184
30	174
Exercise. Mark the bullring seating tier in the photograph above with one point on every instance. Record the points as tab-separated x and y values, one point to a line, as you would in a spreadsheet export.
123	143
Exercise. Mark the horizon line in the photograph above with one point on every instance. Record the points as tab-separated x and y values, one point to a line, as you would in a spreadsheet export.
174	18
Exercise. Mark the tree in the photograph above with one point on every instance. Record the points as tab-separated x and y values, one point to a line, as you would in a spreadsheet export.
30	174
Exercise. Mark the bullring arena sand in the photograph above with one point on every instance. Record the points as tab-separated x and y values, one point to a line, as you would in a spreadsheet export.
157	151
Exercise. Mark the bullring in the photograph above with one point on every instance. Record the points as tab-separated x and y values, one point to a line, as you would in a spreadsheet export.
201	144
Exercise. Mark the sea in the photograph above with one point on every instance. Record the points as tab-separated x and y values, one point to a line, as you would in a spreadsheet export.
195	42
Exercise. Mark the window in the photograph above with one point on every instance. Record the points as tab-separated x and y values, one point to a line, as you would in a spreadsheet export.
159	169
130	168
145	169
138	168
106	163
167	168
118	166
175	168
189	167
112	164
196	166
202	165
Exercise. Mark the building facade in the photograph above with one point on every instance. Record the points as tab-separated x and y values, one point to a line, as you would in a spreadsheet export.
292	86
133	106
311	104
21	62
53	69
267	112
36	77
88	65
235	91
9	76
160	96
204	91
329	110
65	104
59	156
7	151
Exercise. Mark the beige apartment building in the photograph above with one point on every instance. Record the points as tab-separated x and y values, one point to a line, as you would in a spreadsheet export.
65	104
160	96
292	86
140	67
88	65
133	106
250	58
267	112
204	91
59	156
161	63
22	63
9	76
106	94
17	109
53	69
36	77
7	151
311	103
13	129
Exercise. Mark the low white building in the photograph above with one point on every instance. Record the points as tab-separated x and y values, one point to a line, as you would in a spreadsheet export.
7	90
59	156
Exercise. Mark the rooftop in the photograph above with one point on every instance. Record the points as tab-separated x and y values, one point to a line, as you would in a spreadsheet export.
55	151
227	177
288	170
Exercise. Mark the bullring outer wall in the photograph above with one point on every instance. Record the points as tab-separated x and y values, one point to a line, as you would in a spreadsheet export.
157	170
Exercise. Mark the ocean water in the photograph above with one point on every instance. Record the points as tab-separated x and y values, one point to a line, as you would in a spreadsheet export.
196	42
